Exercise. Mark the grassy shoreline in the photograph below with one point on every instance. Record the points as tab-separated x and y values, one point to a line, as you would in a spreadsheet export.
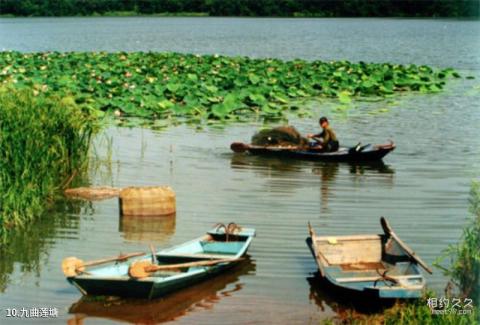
44	144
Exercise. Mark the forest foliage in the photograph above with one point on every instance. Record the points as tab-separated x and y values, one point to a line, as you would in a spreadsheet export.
249	8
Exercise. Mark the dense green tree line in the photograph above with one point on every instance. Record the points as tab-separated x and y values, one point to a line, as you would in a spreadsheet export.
327	8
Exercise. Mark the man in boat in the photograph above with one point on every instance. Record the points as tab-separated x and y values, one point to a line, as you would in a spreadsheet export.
325	141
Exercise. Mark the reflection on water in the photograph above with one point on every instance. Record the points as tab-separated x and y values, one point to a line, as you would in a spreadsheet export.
202	296
288	174
327	296
143	229
327	173
378	166
29	246
263	164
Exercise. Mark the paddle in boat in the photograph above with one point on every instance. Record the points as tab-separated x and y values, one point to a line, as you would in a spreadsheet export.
381	266
358	153
148	276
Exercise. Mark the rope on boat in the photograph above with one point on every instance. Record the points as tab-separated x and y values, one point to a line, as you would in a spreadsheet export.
229	229
385	278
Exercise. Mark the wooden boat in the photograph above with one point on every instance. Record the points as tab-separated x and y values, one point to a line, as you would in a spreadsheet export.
203	295
381	266
172	269
343	154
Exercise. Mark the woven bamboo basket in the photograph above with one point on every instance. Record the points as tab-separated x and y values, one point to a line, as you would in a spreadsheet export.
147	201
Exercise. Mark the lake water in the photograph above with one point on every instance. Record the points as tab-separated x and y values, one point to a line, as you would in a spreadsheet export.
422	188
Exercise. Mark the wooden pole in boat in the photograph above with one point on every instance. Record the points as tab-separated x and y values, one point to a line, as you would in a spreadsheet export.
71	266
311	231
142	269
389	232
152	250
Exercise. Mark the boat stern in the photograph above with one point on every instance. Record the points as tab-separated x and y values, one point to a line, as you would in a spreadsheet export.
408	287
413	292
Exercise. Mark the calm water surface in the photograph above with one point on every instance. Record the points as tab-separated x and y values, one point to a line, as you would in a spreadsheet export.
422	187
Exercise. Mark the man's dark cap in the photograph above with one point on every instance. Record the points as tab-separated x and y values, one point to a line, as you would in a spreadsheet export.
322	119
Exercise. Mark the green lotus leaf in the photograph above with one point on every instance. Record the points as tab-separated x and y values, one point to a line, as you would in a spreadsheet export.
344	97
435	89
165	104
254	79
219	110
192	77
129	108
211	88
280	98
174	87
258	99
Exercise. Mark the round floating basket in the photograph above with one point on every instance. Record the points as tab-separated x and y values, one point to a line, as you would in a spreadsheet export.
147	201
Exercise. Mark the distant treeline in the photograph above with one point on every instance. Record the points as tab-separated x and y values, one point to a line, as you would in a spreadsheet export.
281	8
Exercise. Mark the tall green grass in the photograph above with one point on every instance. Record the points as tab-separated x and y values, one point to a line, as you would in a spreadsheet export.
465	256
44	143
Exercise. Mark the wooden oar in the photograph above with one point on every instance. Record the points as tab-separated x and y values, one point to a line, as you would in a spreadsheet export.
71	266
142	269
389	232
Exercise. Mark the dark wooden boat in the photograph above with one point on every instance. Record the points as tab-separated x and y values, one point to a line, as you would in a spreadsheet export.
380	266
172	269
365	153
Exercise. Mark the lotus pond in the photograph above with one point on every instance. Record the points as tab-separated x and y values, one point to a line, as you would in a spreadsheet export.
208	87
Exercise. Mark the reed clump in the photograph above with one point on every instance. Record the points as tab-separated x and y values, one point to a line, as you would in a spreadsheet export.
465	256
44	143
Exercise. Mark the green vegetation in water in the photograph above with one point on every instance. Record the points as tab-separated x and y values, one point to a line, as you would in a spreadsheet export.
44	143
208	87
